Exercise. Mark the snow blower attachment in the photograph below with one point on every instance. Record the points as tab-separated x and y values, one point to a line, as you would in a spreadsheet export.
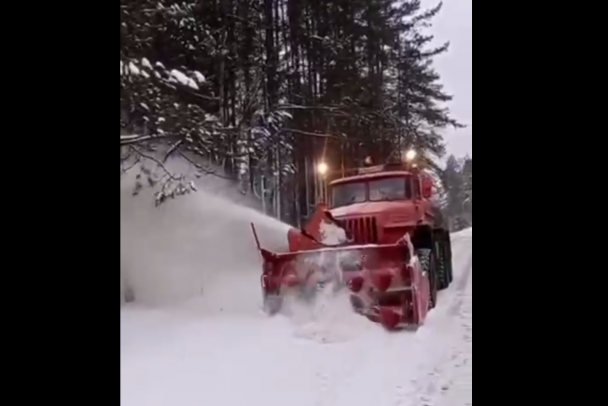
386	282
380	241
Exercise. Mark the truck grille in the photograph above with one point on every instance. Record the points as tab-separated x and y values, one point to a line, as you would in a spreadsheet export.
363	230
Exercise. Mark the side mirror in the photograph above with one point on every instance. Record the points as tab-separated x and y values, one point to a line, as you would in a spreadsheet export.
427	188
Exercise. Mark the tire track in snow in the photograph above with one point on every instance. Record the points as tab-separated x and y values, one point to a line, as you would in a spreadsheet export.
372	369
340	378
461	288
427	381
449	380
457	389
406	389
331	322
396	375
455	373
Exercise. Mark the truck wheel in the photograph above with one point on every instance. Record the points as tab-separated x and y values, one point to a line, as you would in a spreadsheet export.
428	264
443	280
449	272
448	251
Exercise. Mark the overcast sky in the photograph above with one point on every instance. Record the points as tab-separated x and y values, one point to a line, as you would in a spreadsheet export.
455	24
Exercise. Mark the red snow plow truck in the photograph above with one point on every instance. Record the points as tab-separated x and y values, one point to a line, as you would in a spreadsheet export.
377	236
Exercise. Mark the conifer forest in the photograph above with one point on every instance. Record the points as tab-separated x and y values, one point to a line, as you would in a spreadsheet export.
259	92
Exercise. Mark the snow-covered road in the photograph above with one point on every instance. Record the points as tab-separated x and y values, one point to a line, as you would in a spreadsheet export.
187	355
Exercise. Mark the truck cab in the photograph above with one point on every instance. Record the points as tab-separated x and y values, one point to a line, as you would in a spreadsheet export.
380	204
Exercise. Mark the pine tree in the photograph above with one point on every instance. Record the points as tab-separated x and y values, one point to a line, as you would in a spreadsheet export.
260	90
457	180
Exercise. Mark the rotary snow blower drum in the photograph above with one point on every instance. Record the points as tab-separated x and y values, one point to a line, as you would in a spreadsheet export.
386	282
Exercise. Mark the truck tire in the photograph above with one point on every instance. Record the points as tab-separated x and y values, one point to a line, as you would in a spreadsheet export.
443	278
450	266
428	264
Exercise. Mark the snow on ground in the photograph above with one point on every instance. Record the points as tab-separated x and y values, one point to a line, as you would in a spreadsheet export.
466	233
205	341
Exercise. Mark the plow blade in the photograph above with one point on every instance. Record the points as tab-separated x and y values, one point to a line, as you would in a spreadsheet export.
386	282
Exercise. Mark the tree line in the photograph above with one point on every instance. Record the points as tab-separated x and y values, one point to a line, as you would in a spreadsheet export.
260	91
457	199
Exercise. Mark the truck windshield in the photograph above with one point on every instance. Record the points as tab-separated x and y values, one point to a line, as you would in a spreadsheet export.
348	193
387	189
394	188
